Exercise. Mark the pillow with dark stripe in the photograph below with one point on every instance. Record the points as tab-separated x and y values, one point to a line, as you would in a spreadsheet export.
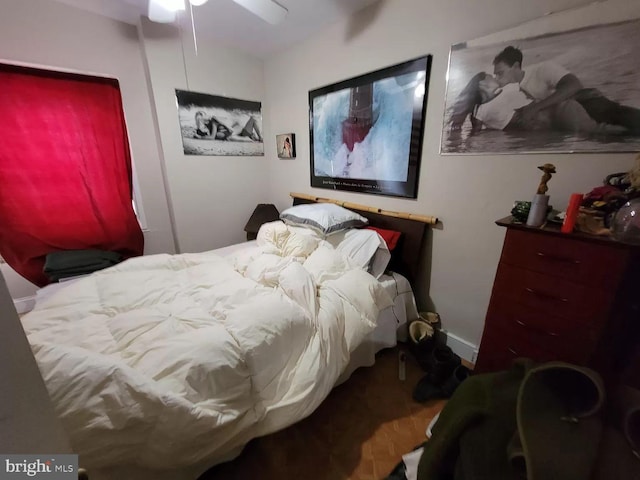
324	218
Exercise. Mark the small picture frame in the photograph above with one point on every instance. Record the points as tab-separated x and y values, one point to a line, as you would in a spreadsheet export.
286	145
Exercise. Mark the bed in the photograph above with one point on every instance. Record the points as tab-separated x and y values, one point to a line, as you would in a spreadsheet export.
165	365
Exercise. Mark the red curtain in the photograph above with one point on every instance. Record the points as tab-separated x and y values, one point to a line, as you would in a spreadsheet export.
65	168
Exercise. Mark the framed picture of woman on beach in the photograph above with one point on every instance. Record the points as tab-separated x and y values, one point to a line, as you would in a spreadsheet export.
571	84
221	126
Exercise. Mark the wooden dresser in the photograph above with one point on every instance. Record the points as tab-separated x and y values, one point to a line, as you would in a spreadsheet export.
571	297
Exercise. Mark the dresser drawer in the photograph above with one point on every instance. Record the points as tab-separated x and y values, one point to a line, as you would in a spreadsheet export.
546	332
544	295
500	347
579	261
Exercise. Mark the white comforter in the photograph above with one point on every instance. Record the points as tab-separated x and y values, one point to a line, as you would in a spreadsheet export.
165	361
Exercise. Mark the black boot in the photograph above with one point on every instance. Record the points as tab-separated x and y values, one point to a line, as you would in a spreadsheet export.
425	390
441	364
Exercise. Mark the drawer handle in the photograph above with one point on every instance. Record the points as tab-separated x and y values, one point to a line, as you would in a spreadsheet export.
545	295
558	258
522	324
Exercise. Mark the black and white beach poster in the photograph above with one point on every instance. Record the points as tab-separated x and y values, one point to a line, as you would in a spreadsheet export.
569	83
215	125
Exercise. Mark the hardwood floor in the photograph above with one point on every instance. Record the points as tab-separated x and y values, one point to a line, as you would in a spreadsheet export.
359	432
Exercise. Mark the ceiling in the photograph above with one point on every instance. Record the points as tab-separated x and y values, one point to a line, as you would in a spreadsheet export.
232	25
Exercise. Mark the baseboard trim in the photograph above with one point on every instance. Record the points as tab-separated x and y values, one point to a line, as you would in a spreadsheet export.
25	304
461	347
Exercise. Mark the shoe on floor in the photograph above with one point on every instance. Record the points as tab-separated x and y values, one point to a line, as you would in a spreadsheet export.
441	364
432	318
425	390
459	375
421	341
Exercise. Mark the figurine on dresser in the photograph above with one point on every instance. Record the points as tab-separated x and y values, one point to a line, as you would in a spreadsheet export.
540	202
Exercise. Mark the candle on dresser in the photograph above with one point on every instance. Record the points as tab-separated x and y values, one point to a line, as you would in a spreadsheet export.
572	213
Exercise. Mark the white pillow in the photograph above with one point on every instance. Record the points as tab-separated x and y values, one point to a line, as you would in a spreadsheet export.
325	218
364	248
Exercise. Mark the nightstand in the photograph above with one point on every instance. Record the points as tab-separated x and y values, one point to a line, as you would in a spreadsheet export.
263	213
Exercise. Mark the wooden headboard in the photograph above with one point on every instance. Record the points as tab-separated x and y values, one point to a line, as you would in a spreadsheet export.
406	257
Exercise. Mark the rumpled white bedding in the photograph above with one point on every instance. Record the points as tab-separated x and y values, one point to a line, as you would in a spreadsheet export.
165	361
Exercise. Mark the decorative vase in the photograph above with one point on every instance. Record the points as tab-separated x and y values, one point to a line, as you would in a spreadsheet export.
625	225
538	211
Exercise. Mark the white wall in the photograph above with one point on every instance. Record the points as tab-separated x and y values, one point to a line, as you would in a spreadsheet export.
20	287
47	33
27	419
467	192
212	197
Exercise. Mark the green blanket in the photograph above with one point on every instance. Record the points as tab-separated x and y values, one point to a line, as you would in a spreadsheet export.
545	422
71	263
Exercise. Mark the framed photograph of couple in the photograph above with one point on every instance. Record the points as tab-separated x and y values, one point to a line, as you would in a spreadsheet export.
366	132
561	86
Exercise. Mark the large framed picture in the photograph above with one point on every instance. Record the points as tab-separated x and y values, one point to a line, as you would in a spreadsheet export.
214	125
366	132
565	84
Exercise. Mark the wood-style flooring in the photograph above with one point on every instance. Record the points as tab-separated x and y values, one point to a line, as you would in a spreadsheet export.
359	432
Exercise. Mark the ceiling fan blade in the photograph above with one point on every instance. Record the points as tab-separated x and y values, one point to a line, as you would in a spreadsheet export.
268	10
159	13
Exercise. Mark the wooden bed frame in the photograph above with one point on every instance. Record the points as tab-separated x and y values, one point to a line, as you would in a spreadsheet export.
405	259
